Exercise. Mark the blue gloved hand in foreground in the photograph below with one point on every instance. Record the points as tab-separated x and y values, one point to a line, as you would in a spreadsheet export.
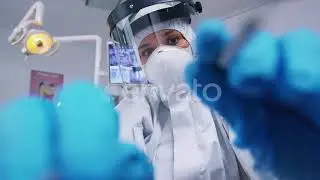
74	138
270	96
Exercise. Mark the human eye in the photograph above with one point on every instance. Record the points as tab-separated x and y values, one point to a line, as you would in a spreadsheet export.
173	41
145	54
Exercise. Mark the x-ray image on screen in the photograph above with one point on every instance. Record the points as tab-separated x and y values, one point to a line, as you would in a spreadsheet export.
123	65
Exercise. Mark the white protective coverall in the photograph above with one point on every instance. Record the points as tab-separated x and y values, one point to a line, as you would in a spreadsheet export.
183	139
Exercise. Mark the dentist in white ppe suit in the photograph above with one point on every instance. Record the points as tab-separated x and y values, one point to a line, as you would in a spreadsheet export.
181	136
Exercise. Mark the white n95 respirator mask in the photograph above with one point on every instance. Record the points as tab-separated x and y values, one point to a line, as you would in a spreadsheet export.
165	67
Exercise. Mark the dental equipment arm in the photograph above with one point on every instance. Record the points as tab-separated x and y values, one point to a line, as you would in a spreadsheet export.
98	51
34	16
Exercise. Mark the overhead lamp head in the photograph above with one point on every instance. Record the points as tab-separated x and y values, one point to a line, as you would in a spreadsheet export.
39	43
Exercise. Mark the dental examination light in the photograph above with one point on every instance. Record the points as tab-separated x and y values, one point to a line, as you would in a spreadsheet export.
35	41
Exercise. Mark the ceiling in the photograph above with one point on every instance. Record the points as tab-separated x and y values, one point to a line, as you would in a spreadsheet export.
72	17
61	17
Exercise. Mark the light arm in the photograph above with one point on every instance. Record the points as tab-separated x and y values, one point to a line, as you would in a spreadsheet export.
98	51
36	12
33	16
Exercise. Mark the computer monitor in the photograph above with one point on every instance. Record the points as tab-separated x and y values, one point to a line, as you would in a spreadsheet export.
123	65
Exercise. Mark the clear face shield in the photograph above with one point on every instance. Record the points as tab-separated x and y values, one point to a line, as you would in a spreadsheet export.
144	34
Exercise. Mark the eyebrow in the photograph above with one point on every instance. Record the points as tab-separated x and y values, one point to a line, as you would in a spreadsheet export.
143	46
169	32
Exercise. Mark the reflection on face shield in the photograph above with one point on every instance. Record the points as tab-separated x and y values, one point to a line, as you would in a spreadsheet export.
167	37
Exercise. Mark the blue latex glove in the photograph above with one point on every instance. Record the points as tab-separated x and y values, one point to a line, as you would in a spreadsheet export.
270	96
74	139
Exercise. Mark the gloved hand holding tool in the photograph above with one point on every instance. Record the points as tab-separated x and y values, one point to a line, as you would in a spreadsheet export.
270	93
